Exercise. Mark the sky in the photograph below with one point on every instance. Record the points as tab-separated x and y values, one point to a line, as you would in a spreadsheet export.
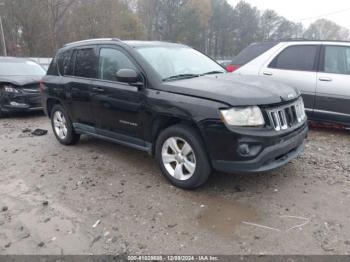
306	11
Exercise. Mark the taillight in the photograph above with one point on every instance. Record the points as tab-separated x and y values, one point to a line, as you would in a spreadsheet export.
41	86
232	68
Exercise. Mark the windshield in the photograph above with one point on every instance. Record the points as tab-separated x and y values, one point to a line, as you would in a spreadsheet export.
27	68
179	61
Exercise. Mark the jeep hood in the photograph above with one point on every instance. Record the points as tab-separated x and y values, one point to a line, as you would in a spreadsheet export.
234	90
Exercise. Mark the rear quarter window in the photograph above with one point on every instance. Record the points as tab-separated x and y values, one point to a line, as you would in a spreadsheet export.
64	63
53	68
251	52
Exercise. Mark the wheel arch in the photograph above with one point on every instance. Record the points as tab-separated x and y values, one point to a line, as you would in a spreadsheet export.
161	123
50	103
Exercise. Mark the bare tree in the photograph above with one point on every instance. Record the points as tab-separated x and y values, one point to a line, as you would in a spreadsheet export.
39	27
57	10
324	29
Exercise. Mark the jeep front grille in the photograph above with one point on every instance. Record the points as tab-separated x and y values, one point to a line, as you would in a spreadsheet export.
287	116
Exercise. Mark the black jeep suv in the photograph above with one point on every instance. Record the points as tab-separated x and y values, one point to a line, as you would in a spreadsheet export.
174	103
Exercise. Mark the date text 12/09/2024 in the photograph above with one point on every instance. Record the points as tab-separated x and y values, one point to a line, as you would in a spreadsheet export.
172	258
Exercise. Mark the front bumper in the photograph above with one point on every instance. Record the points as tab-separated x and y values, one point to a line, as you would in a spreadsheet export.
20	103
21	108
271	157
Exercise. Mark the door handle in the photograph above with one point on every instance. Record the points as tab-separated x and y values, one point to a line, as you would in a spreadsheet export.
267	73
98	90
325	79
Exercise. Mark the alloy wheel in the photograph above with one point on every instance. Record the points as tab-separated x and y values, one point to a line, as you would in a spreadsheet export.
60	125
178	158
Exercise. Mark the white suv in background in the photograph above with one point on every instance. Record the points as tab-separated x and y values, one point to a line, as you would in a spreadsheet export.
319	69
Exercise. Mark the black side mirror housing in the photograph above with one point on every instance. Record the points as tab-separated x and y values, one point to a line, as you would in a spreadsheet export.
129	76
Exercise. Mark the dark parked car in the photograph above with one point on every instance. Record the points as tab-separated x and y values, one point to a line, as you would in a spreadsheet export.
176	104
19	85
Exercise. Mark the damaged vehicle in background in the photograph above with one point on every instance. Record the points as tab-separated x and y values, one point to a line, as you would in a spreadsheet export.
19	85
319	69
176	104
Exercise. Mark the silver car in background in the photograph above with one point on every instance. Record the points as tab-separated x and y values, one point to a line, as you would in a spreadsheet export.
319	69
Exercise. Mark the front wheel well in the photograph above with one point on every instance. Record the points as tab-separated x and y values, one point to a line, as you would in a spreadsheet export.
163	123
50	103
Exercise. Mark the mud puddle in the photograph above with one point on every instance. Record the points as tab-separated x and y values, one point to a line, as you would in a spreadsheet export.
221	216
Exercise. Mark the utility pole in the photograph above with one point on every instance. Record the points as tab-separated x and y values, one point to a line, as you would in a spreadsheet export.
3	37
3	42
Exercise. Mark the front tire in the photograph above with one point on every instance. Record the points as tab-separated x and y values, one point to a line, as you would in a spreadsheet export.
62	126
182	157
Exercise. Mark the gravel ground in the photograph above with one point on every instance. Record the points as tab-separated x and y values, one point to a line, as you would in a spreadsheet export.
102	198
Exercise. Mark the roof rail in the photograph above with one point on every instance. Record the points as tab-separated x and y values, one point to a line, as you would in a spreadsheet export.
311	40
293	39
93	40
301	40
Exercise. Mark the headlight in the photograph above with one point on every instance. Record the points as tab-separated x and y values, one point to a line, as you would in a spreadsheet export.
10	89
246	116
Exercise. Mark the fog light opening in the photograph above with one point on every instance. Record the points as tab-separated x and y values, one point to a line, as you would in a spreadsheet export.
244	149
249	150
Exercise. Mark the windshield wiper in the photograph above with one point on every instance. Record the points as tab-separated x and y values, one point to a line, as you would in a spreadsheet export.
185	76
212	73
181	76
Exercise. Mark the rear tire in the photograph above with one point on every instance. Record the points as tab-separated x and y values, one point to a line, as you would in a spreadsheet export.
62	126
182	158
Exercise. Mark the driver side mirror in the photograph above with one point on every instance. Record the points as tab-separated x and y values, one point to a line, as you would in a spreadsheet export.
128	76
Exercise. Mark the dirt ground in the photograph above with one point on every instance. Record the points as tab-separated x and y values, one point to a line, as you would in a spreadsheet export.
102	198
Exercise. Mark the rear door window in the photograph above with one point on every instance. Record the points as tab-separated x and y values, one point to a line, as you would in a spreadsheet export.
300	58
86	63
337	60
